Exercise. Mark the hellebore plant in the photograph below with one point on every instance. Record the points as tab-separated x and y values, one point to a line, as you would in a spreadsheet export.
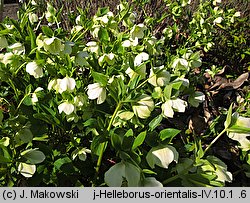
98	102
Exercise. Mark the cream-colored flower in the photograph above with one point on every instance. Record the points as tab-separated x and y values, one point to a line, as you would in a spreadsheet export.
34	69
108	58
138	31
66	107
159	77
7	58
34	97
218	20
167	109
33	18
143	107
130	42
93	47
169	106
53	45
180	63
66	84
140	58
96	91
17	48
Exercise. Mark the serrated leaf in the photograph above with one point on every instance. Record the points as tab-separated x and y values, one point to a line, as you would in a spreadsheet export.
139	140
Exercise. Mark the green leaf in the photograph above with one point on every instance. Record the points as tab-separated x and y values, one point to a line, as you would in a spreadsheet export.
155	122
34	156
229	117
129	133
60	162
25	135
32	37
168	133
47	31
139	140
116	141
103	34
162	156
96	144
100	78
168	91
238	129
4	160
1	116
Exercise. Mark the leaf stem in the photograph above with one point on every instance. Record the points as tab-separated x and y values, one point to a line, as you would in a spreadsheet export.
103	145
214	140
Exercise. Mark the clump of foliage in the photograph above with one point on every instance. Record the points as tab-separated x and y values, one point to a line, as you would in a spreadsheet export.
111	103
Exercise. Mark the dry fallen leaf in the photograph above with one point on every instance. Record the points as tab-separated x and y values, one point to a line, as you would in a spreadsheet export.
235	84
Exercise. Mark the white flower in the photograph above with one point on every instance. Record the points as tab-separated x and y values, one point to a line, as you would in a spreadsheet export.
33	69
141	58
131	73
109	58
96	91
138	31
34	97
159	79
7	58
180	63
66	84
33	18
169	106
79	100
52	84
179	105
66	107
167	110
143	107
53	45
17	48
130	42
218	20
93	47
237	14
